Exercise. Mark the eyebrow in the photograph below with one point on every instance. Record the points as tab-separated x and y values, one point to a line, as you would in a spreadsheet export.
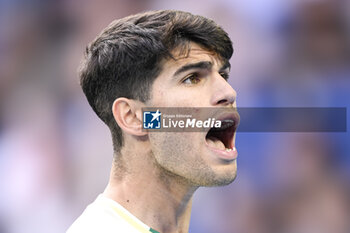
207	65
198	65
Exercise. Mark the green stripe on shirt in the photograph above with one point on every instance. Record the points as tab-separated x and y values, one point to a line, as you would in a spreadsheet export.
154	231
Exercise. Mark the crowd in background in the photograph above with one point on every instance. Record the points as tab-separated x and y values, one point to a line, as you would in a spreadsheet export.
55	154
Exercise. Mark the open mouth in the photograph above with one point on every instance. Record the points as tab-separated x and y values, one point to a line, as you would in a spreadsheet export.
222	138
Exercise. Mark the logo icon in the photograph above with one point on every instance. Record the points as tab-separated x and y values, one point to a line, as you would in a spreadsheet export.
151	120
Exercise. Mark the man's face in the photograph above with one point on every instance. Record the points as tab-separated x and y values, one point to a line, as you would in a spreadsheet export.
190	155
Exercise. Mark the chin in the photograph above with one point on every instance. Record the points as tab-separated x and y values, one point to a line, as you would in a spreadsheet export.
225	180
217	177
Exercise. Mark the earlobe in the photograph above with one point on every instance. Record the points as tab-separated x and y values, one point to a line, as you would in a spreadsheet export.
128	115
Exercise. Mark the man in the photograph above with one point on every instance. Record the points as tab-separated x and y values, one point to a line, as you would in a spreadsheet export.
157	59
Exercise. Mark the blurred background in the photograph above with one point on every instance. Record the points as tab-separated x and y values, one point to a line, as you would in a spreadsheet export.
55	154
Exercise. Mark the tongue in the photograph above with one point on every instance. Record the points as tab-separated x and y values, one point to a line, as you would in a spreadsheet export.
216	143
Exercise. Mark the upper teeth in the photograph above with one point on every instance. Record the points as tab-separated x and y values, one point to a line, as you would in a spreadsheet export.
228	121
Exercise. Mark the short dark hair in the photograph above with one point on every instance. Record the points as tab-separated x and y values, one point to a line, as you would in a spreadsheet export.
125	59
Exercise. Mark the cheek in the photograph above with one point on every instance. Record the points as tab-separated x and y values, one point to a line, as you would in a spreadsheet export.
157	97
174	147
166	98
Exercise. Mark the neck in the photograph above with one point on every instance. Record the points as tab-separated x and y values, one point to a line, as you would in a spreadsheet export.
158	198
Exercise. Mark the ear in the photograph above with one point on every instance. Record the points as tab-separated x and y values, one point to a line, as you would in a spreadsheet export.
128	115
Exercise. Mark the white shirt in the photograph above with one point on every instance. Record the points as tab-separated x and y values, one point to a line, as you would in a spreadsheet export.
105	215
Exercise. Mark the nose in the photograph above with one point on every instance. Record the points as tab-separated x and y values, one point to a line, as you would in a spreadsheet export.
223	93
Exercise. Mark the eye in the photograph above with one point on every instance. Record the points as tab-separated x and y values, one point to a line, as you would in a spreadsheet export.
224	75
192	79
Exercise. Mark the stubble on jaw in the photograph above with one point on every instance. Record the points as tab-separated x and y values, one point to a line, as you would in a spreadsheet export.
178	160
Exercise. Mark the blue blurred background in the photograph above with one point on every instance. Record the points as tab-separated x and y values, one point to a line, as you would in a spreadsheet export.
55	154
